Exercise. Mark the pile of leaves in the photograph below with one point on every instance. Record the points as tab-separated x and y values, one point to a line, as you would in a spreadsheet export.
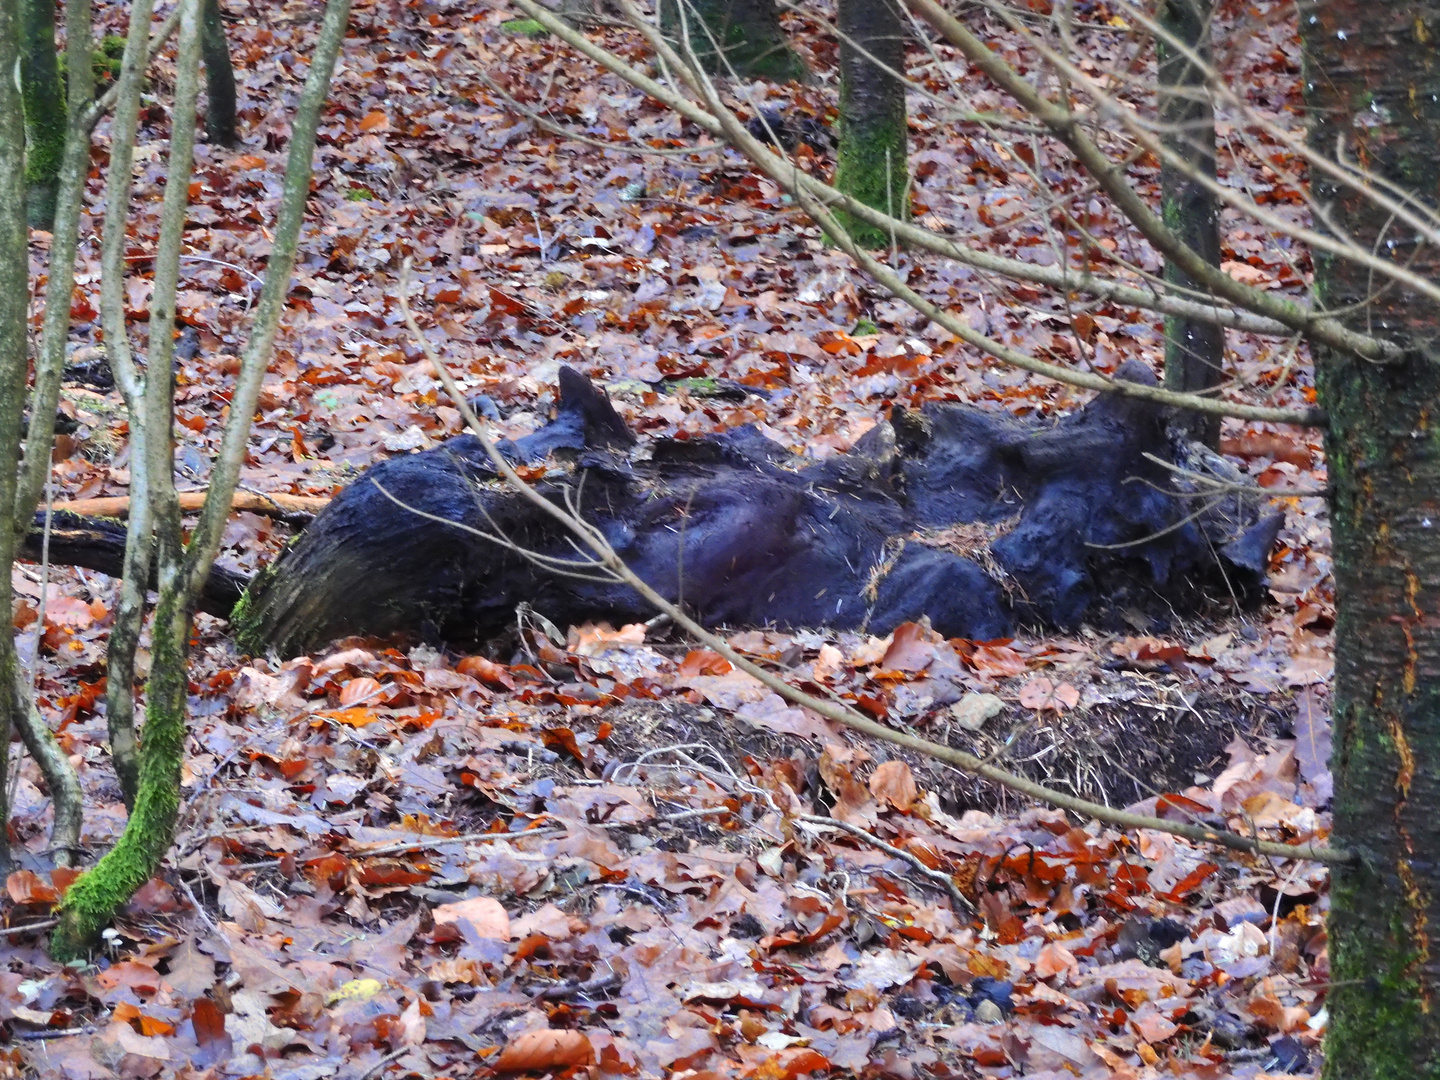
603	850
635	857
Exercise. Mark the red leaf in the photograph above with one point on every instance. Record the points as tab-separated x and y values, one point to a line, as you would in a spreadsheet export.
209	1025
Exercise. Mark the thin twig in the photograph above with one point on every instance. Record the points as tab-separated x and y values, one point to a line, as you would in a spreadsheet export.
16	931
945	881
388	1059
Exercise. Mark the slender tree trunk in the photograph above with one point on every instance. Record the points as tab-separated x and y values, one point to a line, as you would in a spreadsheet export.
14	292
1372	79
1194	351
739	37
44	110
872	164
92	901
219	77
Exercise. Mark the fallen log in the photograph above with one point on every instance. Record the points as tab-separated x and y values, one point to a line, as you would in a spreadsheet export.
98	543
974	519
258	502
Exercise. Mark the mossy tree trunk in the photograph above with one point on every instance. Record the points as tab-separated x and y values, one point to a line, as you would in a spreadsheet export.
219	77
1372	80
14	292
871	161
734	37
181	569
1194	350
44	110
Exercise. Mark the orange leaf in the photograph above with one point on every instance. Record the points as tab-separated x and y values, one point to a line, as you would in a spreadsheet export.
545	1049
704	662
375	121
997	660
356	691
356	717
1055	959
1191	881
27	887
1041	693
477	667
792	1062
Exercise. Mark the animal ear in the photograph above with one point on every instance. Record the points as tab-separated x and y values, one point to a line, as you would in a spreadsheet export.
581	397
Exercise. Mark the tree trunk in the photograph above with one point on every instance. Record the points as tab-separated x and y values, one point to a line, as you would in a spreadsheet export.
219	77
871	163
1371	79
1194	351
14	293
44	110
734	37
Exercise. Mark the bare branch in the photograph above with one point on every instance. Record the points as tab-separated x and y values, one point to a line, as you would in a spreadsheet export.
722	122
130	608
1066	127
205	543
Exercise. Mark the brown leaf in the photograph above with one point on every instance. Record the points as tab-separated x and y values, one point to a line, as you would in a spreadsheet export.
545	1049
893	782
210	1033
997	660
28	887
484	913
912	647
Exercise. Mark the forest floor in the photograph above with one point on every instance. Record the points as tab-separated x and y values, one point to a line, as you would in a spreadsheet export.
601	849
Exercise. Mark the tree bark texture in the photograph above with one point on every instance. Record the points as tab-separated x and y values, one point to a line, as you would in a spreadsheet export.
44	110
740	37
1372	84
1194	351
14	293
219	77
871	161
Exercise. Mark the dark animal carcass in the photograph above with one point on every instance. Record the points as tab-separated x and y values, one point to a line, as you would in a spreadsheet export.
978	520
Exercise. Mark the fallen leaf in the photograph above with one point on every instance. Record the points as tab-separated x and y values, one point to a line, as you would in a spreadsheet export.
545	1049
893	782
484	913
